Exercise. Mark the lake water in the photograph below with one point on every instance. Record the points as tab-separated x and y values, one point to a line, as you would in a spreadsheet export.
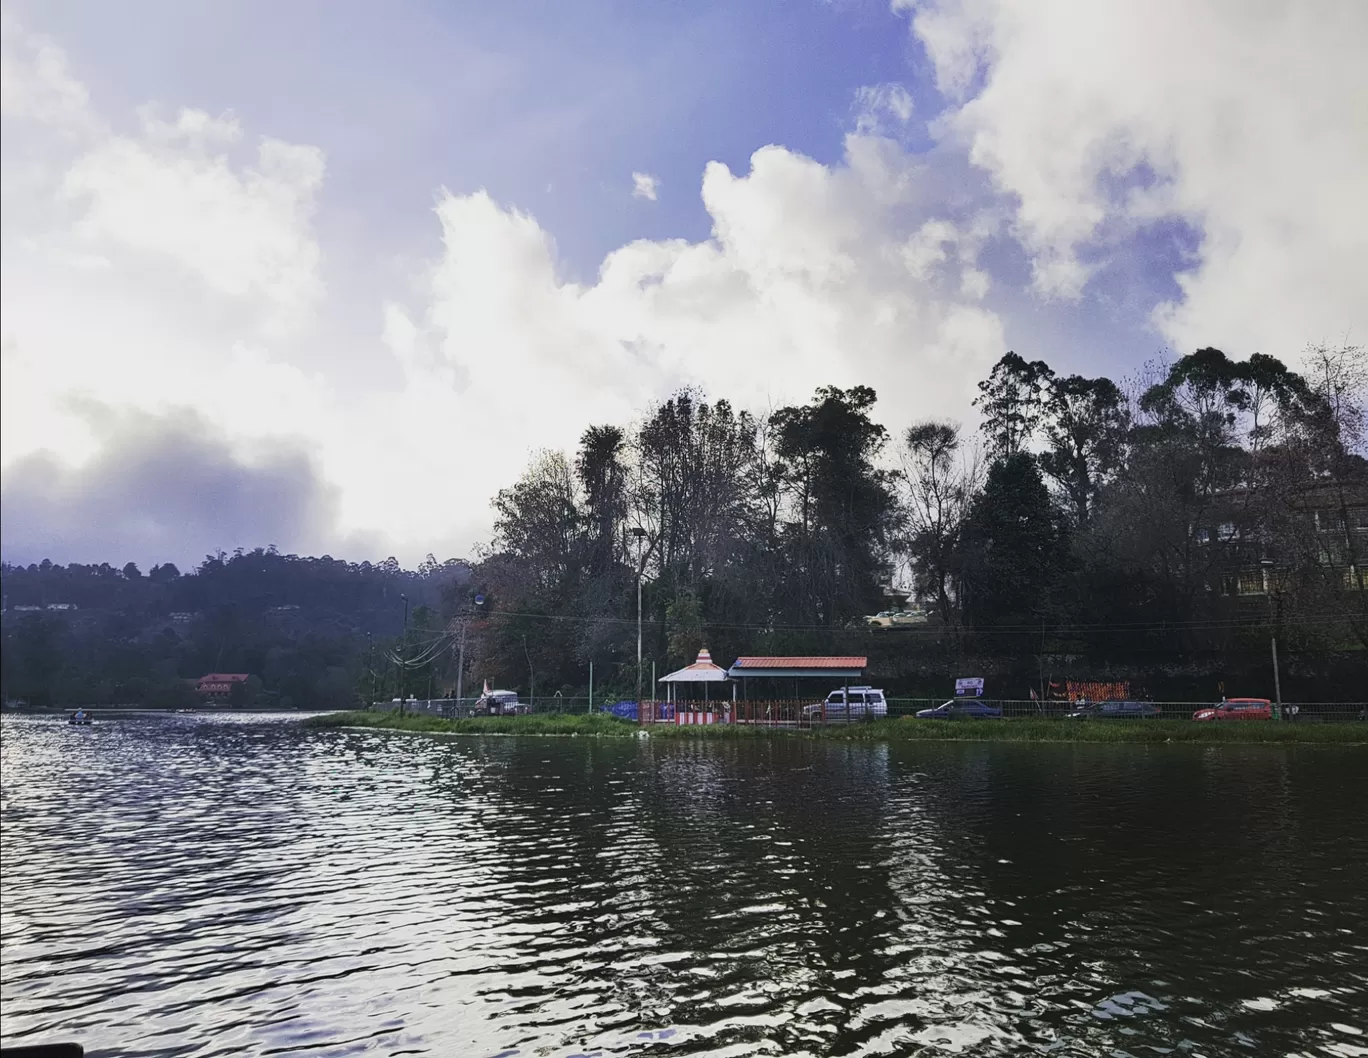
197	885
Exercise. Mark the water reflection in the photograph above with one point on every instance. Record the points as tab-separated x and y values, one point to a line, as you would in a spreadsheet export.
198	886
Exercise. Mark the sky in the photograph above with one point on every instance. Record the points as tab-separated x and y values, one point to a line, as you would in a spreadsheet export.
326	275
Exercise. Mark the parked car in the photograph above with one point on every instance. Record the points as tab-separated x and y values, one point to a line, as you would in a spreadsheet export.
865	702
962	708
500	703
890	620
1114	711
1237	709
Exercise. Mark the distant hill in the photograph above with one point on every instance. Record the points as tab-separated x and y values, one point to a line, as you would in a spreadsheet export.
98	634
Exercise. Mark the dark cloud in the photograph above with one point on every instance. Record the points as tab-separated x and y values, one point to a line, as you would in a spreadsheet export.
163	488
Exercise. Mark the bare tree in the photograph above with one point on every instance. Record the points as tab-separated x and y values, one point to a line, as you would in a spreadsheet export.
1339	375
938	480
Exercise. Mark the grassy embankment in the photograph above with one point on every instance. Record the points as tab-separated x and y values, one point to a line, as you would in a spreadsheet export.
905	730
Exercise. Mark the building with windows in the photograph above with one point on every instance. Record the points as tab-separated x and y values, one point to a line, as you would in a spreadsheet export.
219	684
1254	550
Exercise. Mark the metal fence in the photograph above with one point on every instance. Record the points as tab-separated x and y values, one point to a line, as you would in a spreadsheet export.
801	712
1028	709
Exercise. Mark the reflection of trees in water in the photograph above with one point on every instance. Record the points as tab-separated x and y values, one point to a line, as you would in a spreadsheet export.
856	891
774	874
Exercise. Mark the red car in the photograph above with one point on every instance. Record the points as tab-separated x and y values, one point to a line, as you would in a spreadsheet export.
1237	709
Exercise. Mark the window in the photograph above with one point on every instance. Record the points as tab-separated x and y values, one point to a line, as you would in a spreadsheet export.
1226	531
1252	582
1204	536
1358	519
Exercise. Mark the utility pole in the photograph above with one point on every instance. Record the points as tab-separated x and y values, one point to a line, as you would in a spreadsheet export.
640	534
591	686
1277	683
403	661
460	662
1267	565
370	669
531	678
479	601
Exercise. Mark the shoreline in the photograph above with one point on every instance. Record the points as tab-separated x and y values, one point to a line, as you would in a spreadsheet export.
1135	732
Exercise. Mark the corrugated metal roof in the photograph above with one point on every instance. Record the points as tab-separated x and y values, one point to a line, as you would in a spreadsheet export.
801	663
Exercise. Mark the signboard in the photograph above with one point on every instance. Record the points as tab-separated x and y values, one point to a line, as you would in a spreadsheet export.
969	687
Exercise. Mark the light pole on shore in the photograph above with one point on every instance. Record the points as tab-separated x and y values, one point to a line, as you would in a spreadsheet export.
1267	565
403	658
640	534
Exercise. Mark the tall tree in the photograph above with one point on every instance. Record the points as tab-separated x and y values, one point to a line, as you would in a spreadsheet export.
1011	400
938	487
1015	547
538	520
1339	376
603	480
1085	424
693	461
843	509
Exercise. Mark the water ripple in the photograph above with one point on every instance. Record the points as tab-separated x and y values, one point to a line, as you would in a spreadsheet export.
213	886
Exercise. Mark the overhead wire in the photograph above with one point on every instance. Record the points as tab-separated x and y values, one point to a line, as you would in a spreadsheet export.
1233	623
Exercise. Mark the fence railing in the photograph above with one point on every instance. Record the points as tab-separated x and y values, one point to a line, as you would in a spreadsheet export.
806	711
1180	710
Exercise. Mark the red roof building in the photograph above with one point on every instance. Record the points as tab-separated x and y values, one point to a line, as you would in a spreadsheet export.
835	667
218	684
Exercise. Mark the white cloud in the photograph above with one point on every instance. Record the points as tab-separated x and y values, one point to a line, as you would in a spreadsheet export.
644	185
875	104
805	282
177	190
1250	118
135	266
174	192
36	83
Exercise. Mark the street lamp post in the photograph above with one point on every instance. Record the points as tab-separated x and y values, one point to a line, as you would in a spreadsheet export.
403	660
640	534
531	678
1267	565
460	661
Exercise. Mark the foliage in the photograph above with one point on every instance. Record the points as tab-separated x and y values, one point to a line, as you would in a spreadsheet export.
1015	548
938	489
1164	529
298	626
539	724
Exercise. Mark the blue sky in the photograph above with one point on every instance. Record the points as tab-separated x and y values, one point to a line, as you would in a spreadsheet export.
281	205
512	97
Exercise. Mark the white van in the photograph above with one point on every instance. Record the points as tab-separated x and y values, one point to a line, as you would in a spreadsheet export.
864	702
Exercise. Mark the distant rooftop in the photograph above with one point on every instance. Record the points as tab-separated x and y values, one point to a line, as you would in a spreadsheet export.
842	666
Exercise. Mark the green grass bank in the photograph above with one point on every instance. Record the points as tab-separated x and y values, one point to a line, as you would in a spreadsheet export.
904	730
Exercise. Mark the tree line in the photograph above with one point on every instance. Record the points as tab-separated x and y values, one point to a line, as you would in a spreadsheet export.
1159	529
311	632
1176	518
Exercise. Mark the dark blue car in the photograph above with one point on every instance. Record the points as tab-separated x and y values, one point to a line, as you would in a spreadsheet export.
962	708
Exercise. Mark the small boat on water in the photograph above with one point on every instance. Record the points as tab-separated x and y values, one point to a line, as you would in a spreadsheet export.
80	718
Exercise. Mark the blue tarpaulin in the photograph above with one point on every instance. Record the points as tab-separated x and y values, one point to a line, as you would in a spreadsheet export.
628	710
